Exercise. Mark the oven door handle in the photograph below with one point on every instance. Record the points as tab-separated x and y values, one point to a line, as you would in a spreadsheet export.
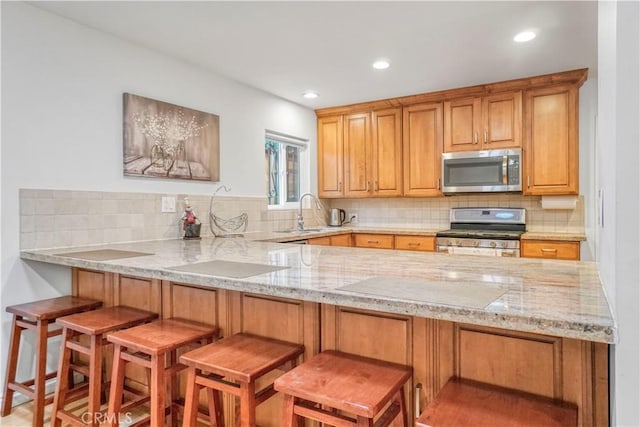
505	163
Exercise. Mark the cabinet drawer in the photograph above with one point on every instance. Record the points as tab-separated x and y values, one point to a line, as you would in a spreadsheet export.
416	243
341	240
380	241
550	249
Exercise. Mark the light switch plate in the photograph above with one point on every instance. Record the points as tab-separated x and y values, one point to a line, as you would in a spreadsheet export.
168	204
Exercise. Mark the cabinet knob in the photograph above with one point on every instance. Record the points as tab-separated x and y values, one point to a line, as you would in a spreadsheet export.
475	137
486	136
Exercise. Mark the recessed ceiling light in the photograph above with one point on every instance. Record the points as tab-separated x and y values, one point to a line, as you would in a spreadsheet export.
381	64
310	94
524	36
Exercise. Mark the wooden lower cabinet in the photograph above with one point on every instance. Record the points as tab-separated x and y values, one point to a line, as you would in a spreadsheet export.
566	369
378	241
339	240
550	249
415	243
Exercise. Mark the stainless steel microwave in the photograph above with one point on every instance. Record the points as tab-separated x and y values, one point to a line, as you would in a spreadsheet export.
482	171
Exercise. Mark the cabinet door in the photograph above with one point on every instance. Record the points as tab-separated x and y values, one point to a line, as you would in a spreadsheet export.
341	240
422	146
320	241
357	151
330	157
462	124
387	152
551	141
502	120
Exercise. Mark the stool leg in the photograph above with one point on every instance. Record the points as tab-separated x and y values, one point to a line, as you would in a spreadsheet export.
63	377
95	379
403	407
42	329
157	390
288	416
117	386
248	404
364	422
215	408
191	396
12	364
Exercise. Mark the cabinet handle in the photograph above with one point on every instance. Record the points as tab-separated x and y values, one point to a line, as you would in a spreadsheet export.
367	186
486	136
373	241
413	244
528	181
340	186
475	137
416	396
549	250
375	185
438	184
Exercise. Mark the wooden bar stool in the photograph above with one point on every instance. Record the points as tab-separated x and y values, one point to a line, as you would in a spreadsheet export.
147	346
233	365
333	381
37	316
94	324
464	403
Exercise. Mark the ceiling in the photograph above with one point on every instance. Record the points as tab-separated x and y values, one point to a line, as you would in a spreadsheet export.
285	48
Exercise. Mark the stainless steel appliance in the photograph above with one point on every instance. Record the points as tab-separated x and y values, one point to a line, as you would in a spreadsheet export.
483	231
337	217
482	171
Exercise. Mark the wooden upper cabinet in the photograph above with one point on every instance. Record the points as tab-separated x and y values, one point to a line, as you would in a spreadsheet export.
330	156
422	147
483	123
357	152
386	156
462	124
551	140
502	120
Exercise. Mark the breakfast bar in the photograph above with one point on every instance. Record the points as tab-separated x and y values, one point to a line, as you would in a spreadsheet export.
537	326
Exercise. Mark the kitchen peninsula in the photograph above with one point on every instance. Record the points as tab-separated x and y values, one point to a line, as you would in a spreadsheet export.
534	325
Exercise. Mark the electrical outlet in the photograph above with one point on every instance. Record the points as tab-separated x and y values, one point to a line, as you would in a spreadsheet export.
353	217
168	204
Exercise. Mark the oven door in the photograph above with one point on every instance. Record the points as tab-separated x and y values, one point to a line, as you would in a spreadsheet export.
464	250
481	171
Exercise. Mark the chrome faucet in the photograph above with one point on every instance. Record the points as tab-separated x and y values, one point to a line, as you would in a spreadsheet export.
300	218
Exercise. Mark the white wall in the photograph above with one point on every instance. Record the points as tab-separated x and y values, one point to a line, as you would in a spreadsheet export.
619	178
62	87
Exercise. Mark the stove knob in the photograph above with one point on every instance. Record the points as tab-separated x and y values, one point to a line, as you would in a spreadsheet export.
453	242
505	244
492	244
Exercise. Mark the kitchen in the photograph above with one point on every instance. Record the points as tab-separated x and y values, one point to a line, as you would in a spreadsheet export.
80	157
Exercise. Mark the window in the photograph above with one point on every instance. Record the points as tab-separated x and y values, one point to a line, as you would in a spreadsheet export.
286	167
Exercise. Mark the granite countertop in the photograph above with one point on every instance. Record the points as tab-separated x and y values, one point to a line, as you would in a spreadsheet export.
566	237
291	235
560	298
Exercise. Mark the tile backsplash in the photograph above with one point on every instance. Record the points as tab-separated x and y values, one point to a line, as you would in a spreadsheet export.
62	218
433	213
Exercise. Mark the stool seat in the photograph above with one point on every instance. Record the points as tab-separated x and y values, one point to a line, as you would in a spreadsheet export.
161	336
355	384
233	365
93	325
153	346
98	322
464	403
242	357
37	316
50	309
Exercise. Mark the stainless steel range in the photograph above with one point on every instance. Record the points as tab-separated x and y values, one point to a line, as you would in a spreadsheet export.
483	231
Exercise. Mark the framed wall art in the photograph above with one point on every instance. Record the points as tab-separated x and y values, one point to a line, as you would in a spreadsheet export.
164	140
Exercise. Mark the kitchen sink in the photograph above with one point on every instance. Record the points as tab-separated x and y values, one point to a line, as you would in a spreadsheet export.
306	230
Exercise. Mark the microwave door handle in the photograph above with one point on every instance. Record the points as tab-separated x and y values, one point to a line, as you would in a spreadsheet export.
505	162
